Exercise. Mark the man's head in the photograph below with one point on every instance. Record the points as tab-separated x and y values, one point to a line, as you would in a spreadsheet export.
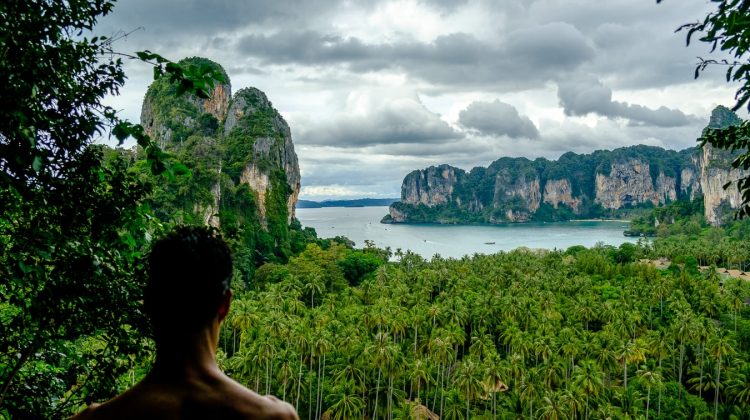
189	272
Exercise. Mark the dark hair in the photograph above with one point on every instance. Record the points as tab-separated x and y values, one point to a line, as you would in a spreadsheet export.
189	271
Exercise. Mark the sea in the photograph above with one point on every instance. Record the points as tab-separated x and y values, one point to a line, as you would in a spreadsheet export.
455	241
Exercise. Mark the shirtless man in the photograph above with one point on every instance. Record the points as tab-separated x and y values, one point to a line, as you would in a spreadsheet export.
187	297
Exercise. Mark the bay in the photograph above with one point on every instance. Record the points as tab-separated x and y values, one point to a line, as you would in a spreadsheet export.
363	223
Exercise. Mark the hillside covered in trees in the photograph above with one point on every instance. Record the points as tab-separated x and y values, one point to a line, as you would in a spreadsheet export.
605	183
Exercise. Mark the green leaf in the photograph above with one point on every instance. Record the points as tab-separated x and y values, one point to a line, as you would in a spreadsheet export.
179	169
122	131
37	164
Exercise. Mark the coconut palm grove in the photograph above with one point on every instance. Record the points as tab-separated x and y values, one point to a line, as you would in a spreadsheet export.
588	333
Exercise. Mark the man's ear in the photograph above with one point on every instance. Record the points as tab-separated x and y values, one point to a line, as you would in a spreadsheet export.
224	307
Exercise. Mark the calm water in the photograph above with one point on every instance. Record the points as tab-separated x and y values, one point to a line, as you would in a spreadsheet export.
360	223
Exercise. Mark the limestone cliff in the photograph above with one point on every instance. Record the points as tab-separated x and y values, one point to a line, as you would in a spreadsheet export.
168	118
575	186
559	192
431	186
272	148
629	183
245	173
715	173
690	185
520	189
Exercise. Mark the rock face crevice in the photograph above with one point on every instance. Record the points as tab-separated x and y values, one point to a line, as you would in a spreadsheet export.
242	140
559	192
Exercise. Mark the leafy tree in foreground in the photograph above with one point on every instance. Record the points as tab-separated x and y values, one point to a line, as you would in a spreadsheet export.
728	29
72	223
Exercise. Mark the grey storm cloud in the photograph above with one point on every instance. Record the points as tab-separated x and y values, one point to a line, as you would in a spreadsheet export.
497	119
579	98
187	17
526	57
309	55
394	122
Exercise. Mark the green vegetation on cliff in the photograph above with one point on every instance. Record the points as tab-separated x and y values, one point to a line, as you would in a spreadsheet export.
573	186
239	153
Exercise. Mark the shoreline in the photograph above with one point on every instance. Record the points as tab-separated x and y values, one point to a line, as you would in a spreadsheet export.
503	223
600	220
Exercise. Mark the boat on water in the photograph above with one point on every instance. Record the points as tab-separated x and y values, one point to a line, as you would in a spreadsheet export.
489	243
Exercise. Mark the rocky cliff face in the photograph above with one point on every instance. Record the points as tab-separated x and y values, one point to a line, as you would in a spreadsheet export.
524	190
690	185
167	117
629	183
271	150
432	186
715	172
233	144
595	185
559	192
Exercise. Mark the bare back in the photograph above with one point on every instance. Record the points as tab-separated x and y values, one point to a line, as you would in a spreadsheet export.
213	396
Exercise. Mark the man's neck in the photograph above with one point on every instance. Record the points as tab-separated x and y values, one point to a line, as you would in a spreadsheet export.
191	354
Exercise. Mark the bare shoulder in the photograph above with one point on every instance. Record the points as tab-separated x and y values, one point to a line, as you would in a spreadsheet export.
219	398
253	405
281	409
86	414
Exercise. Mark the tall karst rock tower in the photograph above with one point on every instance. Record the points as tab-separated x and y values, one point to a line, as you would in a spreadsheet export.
245	175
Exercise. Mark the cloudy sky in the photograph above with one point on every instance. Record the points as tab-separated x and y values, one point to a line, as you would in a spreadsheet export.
374	89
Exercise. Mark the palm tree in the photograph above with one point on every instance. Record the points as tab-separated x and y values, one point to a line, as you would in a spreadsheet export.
530	389
453	407
628	400
554	406
630	352
265	353
683	331
313	283
418	373
321	347
569	348
662	289
493	379
350	374
382	354
468	379
589	380
739	386
736	300
301	346
347	404
440	349
649	379
285	373
243	317
720	346
584	311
